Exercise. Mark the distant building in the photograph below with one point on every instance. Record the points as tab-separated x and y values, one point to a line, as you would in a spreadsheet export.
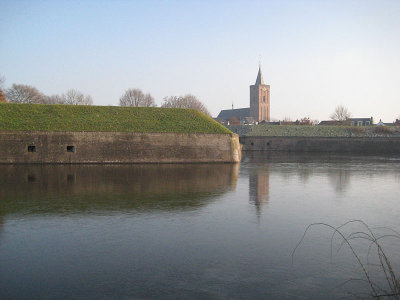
395	123
259	109
361	121
228	115
333	122
351	122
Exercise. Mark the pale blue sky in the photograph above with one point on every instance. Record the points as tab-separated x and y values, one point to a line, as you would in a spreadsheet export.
315	54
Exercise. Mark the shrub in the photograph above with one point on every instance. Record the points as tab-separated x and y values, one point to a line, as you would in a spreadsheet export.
2	97
357	130
383	130
390	285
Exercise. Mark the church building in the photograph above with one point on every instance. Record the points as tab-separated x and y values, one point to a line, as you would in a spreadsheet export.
259	109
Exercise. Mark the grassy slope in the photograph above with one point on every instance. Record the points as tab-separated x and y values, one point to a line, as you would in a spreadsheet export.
38	117
317	131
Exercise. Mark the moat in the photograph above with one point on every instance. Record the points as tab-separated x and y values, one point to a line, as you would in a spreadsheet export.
194	231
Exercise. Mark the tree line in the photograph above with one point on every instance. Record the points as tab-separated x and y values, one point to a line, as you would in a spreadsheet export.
21	93
135	97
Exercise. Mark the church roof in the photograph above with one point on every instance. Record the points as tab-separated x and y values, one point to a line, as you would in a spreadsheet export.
239	113
259	79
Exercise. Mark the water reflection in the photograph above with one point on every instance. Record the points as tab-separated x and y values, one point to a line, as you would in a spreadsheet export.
93	188
259	188
339	179
187	231
338	169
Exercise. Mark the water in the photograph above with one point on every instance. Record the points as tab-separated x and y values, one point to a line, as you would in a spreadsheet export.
195	231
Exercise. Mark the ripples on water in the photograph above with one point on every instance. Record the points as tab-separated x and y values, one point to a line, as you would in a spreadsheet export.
192	231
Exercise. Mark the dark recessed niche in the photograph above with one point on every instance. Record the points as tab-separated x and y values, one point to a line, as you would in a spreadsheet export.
252	143
70	178
267	143
70	148
31	178
31	148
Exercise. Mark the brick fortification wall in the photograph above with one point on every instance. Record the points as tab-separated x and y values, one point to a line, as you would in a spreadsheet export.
322	144
117	147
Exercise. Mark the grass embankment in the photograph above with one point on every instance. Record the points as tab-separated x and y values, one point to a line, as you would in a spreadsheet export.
314	131
39	117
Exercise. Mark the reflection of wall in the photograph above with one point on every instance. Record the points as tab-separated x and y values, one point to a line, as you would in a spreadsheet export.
86	187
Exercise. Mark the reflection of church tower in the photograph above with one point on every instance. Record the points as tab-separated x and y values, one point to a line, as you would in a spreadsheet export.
259	188
259	99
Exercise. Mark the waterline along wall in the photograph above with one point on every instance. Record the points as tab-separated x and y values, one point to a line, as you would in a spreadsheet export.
34	133
373	145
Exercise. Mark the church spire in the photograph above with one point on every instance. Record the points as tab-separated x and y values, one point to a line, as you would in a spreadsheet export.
259	79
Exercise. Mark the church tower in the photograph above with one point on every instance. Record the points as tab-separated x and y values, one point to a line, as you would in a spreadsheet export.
259	99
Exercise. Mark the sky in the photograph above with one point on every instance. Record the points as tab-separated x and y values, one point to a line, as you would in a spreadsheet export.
315	55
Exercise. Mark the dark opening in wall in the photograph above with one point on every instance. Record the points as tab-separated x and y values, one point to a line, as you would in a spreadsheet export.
31	148
70	178
252	143
268	143
70	148
31	178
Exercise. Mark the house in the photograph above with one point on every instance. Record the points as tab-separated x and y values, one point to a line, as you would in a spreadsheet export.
361	121
351	122
248	121
271	123
380	123
333	123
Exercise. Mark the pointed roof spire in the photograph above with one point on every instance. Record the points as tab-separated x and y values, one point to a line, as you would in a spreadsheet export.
259	79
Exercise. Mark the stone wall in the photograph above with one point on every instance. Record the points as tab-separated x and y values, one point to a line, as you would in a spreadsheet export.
117	147
322	144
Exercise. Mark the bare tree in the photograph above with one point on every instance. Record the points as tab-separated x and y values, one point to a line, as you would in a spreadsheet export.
305	121
54	99
20	93
2	80
341	113
287	120
135	97
172	102
2	95
148	101
74	97
187	101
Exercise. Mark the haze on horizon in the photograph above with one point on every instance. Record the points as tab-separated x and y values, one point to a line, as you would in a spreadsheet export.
315	54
